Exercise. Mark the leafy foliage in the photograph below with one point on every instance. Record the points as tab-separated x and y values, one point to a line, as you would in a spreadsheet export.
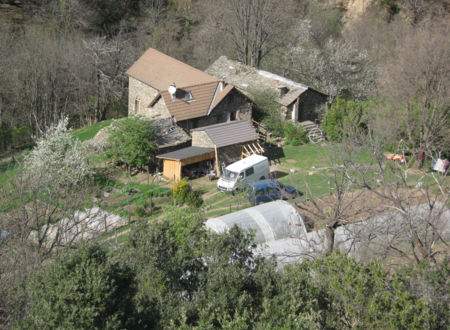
132	142
181	188
344	117
194	199
294	131
268	111
82	289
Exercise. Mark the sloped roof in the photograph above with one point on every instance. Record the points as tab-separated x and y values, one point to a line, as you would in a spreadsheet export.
185	153
233	132
182	109
168	133
245	77
160	71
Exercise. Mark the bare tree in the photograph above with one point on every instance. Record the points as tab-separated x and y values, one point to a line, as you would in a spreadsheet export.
253	27
418	80
384	208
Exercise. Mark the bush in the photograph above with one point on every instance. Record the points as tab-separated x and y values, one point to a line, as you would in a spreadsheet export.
294	131
180	189
194	199
343	117
140	212
295	143
132	142
268	111
82	289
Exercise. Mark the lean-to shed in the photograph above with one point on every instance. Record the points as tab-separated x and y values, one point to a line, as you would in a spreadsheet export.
175	160
269	222
230	140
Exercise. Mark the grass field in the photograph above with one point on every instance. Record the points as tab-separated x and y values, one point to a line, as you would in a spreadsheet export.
88	132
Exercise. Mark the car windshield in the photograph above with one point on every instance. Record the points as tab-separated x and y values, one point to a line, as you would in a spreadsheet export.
229	175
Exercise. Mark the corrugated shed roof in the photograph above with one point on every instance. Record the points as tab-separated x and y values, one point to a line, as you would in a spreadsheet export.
160	71
185	153
270	221
230	133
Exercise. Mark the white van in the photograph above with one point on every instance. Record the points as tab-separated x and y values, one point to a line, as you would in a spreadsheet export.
247	170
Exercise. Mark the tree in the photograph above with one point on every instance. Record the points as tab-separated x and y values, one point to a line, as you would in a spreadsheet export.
58	158
51	184
338	68
268	110
82	289
253	28
342	117
418	83
132	142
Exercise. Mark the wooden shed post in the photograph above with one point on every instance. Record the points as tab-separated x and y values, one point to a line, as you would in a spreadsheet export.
217	162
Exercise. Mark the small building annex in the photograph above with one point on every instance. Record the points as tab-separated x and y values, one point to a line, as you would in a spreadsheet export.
213	145
162	87
297	101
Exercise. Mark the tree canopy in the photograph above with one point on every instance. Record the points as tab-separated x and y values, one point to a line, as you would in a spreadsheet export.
132	142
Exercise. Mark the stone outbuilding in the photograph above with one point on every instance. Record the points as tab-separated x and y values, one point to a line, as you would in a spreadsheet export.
231	141
212	147
298	102
161	87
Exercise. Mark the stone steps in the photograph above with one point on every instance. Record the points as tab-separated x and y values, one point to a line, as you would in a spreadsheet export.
313	131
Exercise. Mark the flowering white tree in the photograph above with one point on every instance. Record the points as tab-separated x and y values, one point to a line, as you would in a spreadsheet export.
58	158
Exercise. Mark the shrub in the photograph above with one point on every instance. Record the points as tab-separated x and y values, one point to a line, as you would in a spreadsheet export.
194	199
294	131
268	111
180	189
140	212
343	117
132	142
295	143
82	289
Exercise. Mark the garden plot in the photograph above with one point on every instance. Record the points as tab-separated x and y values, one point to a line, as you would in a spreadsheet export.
83	226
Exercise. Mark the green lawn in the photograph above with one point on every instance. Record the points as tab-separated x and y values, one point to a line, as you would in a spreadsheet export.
88	132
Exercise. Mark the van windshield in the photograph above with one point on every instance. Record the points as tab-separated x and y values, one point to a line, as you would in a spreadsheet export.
229	175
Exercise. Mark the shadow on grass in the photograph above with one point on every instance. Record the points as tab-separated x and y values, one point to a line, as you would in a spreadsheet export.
277	174
274	153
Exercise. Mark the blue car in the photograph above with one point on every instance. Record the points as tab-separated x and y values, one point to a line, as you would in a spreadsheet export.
264	191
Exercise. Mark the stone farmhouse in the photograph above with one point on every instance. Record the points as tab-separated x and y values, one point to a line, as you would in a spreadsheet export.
161	87
297	101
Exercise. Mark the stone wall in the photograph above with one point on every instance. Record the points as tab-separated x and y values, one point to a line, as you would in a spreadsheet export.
312	105
145	95
201	139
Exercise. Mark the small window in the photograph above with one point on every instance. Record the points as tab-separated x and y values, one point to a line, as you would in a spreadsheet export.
189	97
241	175
249	171
137	106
